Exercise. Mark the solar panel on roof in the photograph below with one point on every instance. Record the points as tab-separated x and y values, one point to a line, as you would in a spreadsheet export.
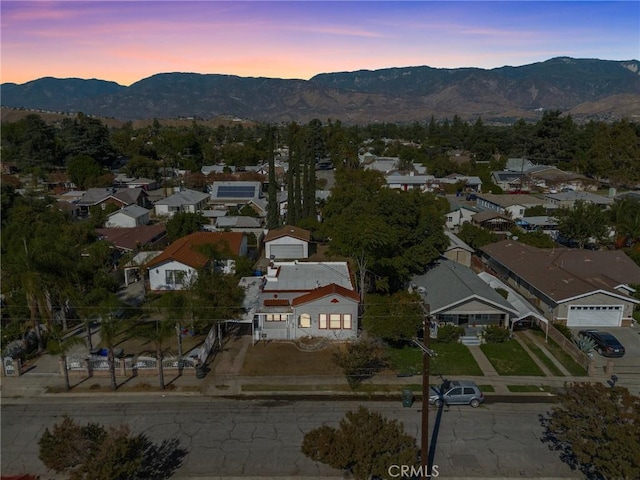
240	191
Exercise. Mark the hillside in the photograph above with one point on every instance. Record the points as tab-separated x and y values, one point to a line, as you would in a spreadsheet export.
586	88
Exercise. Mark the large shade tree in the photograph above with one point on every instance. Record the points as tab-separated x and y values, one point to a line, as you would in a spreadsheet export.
596	429
583	222
390	234
365	443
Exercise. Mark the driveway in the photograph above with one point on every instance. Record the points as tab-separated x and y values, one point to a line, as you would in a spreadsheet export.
630	339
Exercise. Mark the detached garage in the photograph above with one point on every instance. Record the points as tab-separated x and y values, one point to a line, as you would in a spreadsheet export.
595	316
287	243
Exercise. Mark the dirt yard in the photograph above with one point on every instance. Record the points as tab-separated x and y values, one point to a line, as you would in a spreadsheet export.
284	358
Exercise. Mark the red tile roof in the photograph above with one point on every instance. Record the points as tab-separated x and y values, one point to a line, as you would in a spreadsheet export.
185	251
276	302
327	290
288	231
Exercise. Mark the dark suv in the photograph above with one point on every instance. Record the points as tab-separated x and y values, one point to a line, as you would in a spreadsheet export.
606	344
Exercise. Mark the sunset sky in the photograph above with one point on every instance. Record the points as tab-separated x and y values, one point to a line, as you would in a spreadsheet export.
125	41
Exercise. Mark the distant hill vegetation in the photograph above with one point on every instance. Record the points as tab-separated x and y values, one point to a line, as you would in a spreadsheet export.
585	88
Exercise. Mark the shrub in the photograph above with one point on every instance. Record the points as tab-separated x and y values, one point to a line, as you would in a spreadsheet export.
564	330
495	334
361	360
585	344
450	333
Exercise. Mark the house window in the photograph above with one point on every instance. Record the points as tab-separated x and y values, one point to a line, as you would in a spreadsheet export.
305	320
276	317
335	321
174	277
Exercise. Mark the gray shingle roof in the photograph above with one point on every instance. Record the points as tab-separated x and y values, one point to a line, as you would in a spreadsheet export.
185	197
449	283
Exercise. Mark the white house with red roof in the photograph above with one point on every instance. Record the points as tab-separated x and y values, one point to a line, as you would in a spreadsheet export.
304	299
177	266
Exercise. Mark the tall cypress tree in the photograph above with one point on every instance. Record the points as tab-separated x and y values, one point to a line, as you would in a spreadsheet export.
273	217
292	214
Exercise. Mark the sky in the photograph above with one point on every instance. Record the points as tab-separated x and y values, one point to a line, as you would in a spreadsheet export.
126	41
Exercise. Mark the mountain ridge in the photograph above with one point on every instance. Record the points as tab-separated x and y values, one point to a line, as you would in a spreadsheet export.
585	88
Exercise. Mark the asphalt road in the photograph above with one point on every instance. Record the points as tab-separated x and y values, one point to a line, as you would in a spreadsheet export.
252	439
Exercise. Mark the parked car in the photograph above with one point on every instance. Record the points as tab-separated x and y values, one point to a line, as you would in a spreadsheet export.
606	344
458	392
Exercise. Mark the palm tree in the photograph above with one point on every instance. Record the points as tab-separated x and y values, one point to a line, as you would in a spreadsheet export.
158	333
57	344
110	329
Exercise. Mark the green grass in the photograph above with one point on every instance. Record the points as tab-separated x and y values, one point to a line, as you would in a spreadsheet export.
454	359
563	357
450	359
529	388
486	388
537	351
509	358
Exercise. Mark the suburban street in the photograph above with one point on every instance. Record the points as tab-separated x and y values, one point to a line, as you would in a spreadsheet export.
253	438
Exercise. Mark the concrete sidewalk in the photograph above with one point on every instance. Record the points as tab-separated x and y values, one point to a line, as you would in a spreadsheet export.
43	379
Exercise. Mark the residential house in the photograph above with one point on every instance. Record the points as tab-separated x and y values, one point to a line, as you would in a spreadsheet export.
553	178
287	242
471	183
248	225
134	239
234	193
177	266
493	221
543	223
575	287
521	165
128	217
120	197
184	201
261	205
511	205
458	296
408	182
144	183
383	165
304	299
458	251
459	216
509	181
569	199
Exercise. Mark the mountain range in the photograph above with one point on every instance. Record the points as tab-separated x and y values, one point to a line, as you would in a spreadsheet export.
585	88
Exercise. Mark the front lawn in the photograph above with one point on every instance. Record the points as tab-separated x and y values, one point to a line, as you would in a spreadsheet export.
537	351
563	357
509	358
450	359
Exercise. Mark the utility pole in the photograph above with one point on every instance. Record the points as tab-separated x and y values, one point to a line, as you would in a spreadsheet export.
427	353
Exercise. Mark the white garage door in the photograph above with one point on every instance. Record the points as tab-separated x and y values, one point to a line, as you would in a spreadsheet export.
595	316
287	251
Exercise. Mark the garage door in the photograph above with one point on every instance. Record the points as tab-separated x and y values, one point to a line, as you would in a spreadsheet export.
287	251
595	316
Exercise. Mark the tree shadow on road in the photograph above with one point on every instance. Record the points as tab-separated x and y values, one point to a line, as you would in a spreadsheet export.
161	461
556	445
